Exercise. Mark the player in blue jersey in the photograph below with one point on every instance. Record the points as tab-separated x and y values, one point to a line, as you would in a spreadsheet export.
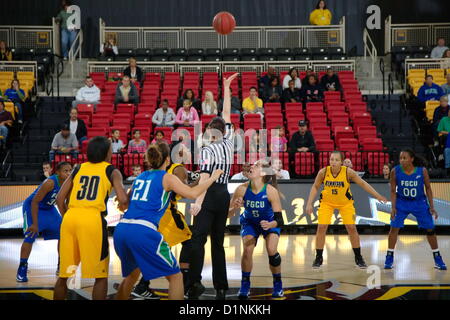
139	245
41	216
411	194
262	216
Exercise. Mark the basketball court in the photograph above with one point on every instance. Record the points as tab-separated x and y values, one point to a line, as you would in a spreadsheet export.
413	276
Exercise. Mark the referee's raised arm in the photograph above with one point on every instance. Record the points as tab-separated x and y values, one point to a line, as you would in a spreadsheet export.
226	112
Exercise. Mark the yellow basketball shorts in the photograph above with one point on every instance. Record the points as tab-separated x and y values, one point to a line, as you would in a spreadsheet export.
326	211
174	228
84	238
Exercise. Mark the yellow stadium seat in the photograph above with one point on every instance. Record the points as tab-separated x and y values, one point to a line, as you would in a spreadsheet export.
9	106
7	75
416	73
440	81
430	106
436	73
22	76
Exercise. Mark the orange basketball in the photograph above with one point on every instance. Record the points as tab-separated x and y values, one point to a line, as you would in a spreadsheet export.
224	23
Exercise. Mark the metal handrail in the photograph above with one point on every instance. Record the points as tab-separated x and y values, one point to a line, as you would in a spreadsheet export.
77	43
383	73
372	52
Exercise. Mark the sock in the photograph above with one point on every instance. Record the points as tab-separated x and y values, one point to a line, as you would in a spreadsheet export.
276	277
357	252
185	273
390	252
246	276
319	252
23	262
436	253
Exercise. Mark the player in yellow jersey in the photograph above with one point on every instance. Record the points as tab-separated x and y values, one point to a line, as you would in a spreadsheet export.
336	195
82	203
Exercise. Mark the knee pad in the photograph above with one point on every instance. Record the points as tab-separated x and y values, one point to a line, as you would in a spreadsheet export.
430	232
275	260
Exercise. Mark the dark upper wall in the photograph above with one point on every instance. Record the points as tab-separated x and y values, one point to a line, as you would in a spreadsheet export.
201	12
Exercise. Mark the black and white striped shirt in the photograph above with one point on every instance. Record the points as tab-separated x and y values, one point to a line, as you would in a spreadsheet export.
219	155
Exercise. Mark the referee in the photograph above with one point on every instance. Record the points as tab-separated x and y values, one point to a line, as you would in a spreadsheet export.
210	210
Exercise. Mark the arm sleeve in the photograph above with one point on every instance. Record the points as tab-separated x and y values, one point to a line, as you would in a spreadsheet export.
312	17
207	161
83	129
74	141
172	114
54	144
102	48
286	80
97	94
115	50
79	96
155	118
178	118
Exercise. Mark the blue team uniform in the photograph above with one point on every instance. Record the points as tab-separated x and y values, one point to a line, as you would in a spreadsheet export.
411	199
257	208
49	219
136	238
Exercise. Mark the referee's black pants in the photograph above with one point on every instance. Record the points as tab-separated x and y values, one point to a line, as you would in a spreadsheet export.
210	220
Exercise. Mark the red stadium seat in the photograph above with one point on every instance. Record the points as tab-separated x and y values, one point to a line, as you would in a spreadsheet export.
105	107
366	132
343	133
321	132
143	119
334	106
129	160
376	161
372	144
332	96
314	106
351	145
304	164
293	107
324	145
93	132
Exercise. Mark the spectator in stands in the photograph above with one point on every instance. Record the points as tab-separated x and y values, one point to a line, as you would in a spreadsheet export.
109	48
47	171
253	104
137	170
302	140
243	175
17	96
439	113
68	33
77	126
64	142
277	167
116	143
133	71
447	155
348	163
312	91
5	52
137	145
429	91
387	171
164	116
446	86
292	94
209	106
446	54
187	116
265	80
292	75
309	72
159	137
330	81
439	50
189	95
89	94
6	121
321	16
126	92
278	142
273	92
236	106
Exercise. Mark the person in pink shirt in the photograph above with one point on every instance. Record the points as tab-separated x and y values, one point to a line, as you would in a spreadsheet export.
279	142
137	145
187	116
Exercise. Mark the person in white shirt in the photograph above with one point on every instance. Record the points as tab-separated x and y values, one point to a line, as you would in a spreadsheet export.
89	94
116	143
209	106
277	167
136	172
348	163
164	116
242	175
292	75
439	50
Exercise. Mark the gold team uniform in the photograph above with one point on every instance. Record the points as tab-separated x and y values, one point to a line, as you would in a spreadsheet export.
84	235
173	225
336	195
